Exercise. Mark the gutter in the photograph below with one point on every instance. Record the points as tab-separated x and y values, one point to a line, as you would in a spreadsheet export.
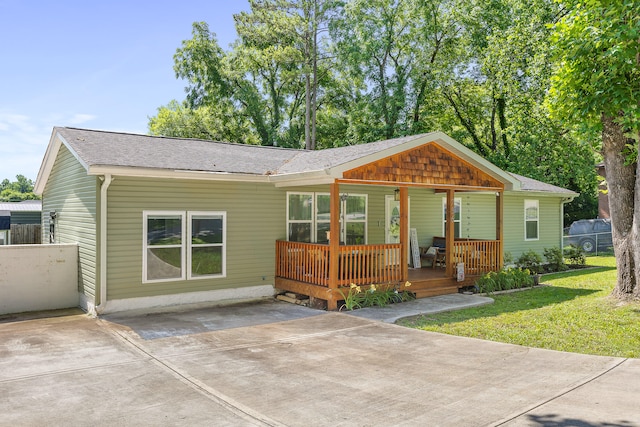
103	243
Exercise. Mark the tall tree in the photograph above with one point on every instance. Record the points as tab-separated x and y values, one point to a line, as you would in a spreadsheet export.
598	83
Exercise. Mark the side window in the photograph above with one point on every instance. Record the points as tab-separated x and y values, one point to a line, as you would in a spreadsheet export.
163	253
531	220
183	245
207	250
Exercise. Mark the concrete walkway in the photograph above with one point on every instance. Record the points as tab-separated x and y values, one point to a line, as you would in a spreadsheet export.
293	366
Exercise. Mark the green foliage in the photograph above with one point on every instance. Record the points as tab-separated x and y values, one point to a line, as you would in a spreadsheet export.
204	122
366	70
374	295
555	259
597	46
18	190
509	278
530	260
575	255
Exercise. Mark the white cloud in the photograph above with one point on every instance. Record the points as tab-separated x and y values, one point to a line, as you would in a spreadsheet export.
24	139
78	119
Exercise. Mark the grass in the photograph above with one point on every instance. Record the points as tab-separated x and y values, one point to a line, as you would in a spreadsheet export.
574	314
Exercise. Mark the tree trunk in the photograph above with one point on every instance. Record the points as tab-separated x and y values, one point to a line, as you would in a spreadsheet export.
621	181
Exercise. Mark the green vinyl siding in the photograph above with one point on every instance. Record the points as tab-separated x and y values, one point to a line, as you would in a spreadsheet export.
73	196
550	227
255	220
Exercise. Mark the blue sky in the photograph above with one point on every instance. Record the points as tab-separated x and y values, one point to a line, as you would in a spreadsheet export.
98	65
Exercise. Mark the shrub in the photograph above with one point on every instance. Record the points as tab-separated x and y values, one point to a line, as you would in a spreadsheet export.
509	278
507	258
375	295
575	255
555	260
530	260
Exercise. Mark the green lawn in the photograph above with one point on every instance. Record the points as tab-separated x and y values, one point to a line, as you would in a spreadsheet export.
574	314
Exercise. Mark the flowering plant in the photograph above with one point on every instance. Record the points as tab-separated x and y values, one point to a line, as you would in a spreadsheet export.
374	295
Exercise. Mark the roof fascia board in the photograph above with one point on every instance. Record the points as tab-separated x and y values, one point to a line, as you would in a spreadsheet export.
538	193
139	172
55	142
301	178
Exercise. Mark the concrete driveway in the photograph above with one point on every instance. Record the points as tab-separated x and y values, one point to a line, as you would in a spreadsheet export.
294	366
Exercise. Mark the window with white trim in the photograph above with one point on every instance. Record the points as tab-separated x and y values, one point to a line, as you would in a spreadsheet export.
457	216
306	224
300	217
179	245
531	219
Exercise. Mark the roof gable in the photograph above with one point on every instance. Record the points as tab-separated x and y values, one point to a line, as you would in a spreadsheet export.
429	164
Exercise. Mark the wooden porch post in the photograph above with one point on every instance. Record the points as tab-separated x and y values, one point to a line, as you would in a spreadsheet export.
334	245
449	233
499	227
404	232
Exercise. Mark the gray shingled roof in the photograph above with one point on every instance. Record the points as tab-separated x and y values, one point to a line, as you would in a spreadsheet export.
529	184
24	206
101	148
116	149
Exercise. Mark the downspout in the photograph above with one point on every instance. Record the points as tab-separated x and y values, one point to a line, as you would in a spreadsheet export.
103	243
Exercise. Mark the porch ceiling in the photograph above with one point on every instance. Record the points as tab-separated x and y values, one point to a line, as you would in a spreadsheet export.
428	165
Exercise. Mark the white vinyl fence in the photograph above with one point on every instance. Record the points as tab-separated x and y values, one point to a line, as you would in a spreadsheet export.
38	277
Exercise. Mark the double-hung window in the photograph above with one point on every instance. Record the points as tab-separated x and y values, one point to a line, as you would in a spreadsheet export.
179	245
531	219
309	217
457	215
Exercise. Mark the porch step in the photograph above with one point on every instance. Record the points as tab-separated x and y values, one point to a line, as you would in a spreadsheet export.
433	292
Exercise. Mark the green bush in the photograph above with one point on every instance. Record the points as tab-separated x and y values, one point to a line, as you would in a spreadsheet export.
555	260
374	295
575	255
531	261
509	278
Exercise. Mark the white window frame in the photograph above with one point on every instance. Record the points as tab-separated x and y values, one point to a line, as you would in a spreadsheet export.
145	246
314	216
302	221
185	244
190	246
456	201
527	204
344	221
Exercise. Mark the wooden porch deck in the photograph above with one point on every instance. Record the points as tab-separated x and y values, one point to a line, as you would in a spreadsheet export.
304	268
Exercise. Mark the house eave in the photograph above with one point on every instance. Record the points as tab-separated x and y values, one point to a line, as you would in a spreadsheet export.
536	193
139	172
316	177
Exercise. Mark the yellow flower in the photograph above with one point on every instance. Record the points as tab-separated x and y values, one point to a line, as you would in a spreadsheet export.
407	284
353	285
372	288
358	289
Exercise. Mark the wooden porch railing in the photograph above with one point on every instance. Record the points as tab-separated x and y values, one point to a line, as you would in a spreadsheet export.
359	264
478	256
